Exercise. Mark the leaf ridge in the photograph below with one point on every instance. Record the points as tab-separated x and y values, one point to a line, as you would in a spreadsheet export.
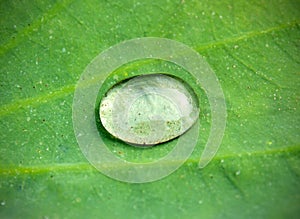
34	25
78	167
11	107
246	36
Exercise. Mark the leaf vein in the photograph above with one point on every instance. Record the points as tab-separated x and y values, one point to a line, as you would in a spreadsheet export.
79	167
11	107
34	25
246	36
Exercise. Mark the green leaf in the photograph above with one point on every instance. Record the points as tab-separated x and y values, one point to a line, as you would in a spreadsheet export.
253	47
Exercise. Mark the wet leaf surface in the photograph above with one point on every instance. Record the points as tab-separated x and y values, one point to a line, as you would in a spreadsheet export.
253	47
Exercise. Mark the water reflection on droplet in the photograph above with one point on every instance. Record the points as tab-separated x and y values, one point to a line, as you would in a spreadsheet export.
149	109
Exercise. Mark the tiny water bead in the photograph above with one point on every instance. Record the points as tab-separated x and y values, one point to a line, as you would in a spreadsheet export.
149	109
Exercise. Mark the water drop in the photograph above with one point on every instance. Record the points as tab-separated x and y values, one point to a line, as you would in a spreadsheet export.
149	109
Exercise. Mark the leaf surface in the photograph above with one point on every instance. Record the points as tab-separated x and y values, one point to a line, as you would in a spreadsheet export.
253	47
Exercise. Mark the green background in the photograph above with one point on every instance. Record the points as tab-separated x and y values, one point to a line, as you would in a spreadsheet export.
253	48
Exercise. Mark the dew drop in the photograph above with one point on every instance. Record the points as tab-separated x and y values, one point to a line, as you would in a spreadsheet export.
149	109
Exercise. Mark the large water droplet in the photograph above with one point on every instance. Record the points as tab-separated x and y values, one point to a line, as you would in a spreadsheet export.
149	109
